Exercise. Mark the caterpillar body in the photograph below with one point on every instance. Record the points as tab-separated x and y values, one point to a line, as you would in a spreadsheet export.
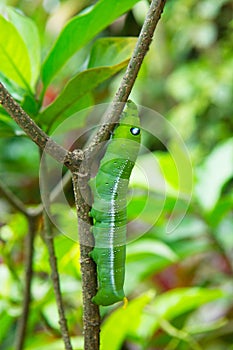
109	212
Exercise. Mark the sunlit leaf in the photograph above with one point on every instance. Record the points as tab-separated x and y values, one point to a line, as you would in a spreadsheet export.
154	247
14	57
111	51
6	322
79	31
213	174
29	33
38	343
6	127
16	91
112	336
83	83
174	303
172	171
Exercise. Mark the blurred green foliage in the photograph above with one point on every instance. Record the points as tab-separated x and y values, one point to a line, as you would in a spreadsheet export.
178	274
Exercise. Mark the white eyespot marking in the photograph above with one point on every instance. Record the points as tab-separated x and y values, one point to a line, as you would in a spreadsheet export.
135	131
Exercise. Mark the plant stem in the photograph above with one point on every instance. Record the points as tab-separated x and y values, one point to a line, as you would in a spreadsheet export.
48	237
22	325
13	199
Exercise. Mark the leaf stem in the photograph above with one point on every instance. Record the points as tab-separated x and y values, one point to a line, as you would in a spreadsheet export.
48	238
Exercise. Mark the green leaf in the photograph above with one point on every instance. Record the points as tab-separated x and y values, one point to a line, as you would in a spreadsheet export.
77	114
6	130
6	322
174	303
111	51
79	31
185	241
83	83
113	336
14	57
173	169
8	127
152	247
213	174
14	89
38	343
224	205
29	33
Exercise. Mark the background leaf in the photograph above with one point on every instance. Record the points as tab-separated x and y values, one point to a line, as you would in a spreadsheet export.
214	173
79	31
111	51
80	87
129	318
14	57
172	304
29	33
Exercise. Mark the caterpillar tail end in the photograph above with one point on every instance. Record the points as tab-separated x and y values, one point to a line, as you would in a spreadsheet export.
106	298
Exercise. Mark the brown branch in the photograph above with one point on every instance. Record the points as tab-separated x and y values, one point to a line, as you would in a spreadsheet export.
128	80
48	237
23	321
91	316
35	133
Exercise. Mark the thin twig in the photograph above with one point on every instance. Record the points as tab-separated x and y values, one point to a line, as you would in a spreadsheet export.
13	199
48	237
35	133
32	225
122	94
23	321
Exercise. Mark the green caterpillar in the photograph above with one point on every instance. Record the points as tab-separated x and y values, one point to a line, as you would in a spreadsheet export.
109	207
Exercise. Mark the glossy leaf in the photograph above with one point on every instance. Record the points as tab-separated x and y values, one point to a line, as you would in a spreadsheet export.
14	57
79	31
29	33
76	115
213	174
38	343
6	129
83	83
174	303
112	336
111	51
6	323
152	264
152	247
172	172
146	257
14	89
